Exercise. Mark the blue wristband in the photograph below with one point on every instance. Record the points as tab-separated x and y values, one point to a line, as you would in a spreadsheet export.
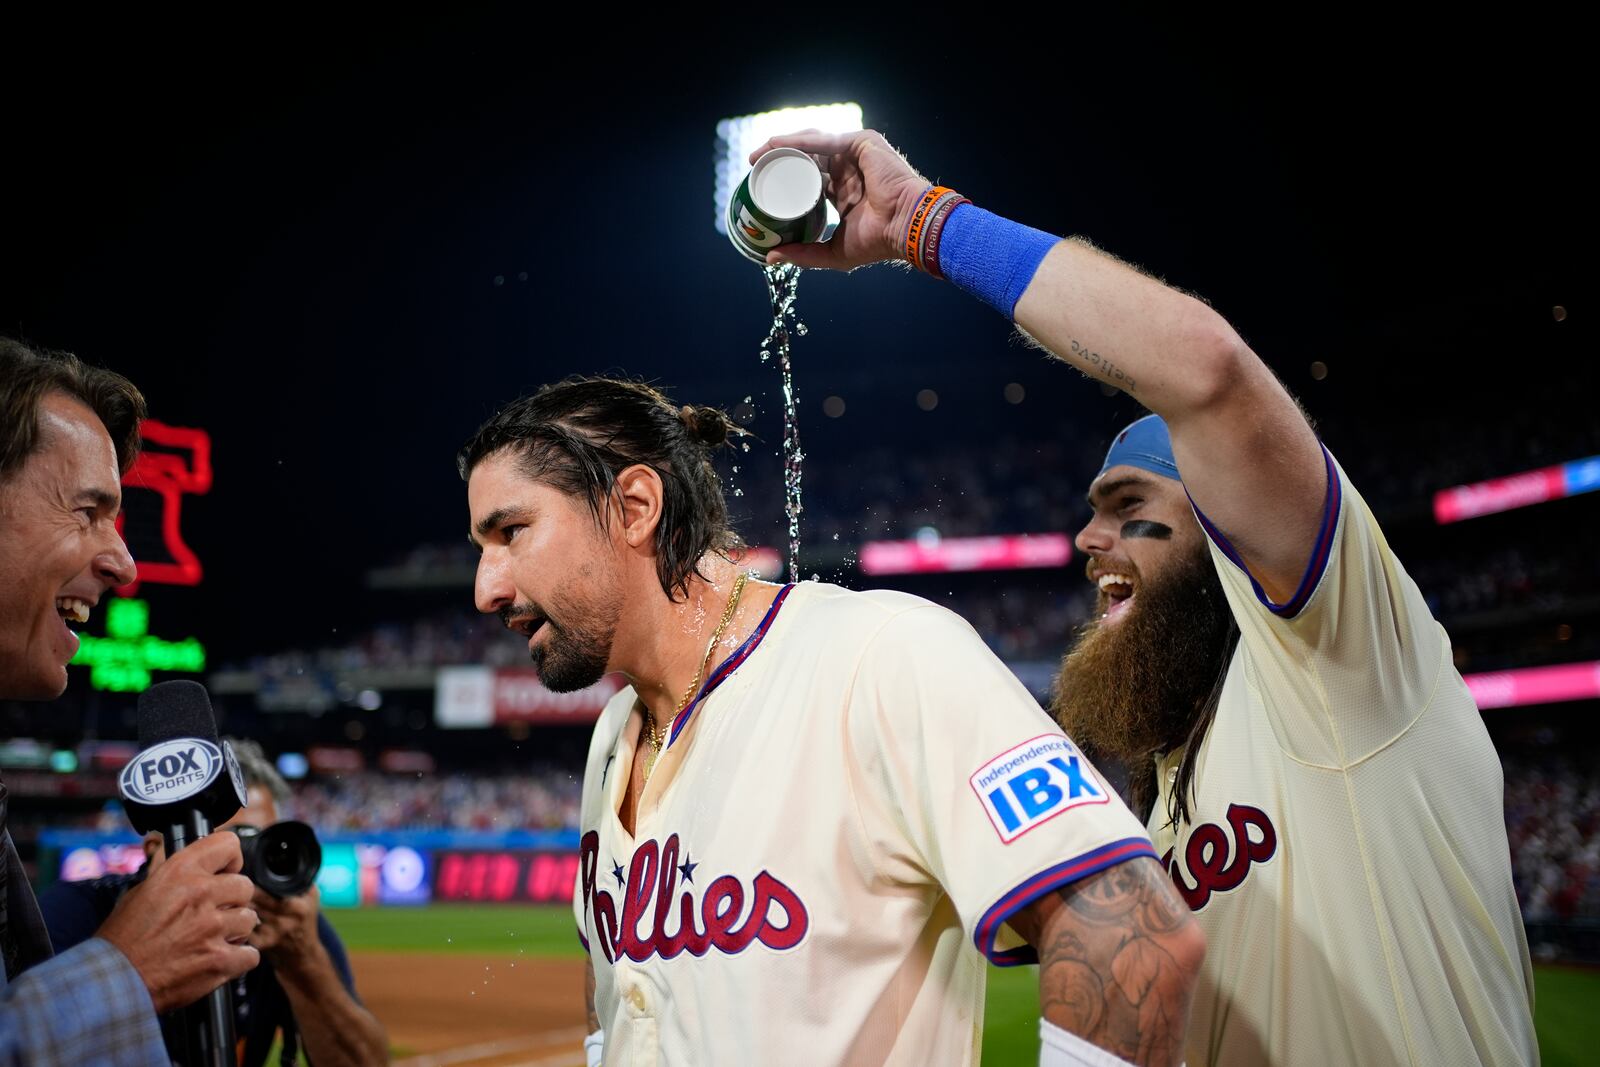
992	258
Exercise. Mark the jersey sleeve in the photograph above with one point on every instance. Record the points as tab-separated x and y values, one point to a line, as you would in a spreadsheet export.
1351	659
961	779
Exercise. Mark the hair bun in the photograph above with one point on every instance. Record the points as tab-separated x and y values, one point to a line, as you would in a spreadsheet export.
708	426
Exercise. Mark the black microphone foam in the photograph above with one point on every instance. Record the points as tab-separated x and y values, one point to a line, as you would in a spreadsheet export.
178	708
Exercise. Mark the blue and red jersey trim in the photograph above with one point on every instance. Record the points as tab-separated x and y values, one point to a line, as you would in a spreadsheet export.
731	664
1037	886
1322	548
583	939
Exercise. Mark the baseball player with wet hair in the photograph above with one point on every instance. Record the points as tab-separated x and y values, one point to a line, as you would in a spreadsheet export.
815	815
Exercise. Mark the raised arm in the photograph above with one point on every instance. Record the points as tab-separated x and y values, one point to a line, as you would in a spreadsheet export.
1247	455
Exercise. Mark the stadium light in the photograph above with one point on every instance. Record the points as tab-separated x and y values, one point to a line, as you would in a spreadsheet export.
738	137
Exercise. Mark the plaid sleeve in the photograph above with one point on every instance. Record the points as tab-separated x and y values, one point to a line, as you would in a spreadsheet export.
85	1006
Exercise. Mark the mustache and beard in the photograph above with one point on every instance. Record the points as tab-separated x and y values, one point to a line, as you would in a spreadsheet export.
1138	687
576	653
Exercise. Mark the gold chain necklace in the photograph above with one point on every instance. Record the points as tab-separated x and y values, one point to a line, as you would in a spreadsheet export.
657	738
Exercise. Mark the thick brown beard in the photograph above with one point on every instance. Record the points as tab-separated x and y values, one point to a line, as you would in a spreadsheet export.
1136	688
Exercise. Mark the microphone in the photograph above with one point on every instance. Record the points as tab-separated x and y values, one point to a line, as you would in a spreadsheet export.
183	782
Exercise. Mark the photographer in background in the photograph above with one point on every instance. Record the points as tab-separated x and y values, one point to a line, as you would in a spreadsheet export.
303	987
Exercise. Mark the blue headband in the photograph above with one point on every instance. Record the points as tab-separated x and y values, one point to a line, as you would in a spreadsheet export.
1145	444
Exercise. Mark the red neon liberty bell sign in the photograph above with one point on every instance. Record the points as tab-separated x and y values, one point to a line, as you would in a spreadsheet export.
185	468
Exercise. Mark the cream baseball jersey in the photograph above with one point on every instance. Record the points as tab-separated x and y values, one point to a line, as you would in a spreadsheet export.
830	843
1347	854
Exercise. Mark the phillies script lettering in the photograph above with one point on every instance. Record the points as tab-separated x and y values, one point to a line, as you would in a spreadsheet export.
1214	866
776	916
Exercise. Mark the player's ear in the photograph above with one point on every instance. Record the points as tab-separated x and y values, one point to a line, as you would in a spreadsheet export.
636	505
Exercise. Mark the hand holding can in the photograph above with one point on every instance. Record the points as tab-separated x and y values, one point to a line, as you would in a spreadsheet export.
779	202
873	187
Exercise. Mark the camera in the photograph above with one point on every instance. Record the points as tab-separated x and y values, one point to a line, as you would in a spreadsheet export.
283	859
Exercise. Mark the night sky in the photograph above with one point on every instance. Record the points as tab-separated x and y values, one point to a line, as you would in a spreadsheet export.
289	235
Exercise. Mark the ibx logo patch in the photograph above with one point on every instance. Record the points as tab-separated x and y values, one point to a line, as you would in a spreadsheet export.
1033	783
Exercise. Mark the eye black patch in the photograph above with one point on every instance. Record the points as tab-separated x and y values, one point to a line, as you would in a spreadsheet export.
1145	528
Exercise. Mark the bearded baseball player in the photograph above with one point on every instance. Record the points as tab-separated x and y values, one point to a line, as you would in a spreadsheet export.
814	812
1325	796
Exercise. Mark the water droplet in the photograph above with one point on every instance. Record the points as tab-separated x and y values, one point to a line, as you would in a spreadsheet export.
738	492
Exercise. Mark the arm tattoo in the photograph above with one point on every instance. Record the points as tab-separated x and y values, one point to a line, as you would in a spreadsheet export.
1094	361
1109	961
588	994
1124	891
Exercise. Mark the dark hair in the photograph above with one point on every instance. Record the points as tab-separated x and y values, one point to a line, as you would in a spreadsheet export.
579	434
28	376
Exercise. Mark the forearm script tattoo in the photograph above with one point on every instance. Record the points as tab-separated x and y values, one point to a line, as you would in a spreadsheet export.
1094	361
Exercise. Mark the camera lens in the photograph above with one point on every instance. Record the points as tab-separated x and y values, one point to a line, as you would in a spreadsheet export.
283	859
280	860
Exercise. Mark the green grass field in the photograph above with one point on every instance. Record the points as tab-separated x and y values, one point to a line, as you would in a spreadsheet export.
543	931
1568	999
